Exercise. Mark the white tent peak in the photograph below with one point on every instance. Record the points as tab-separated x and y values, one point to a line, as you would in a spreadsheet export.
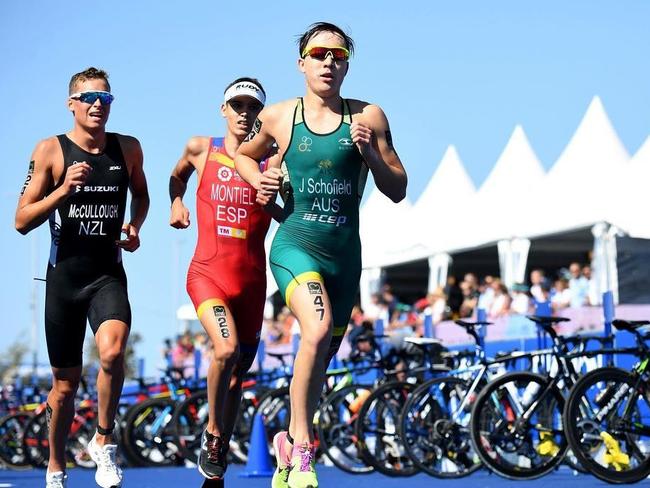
449	180
642	155
595	148
517	167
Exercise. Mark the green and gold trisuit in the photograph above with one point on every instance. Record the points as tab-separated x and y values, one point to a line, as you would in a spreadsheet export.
319	237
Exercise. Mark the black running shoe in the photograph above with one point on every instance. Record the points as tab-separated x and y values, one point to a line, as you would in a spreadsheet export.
212	459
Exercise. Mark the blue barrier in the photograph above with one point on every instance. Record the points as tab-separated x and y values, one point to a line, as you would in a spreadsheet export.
609	314
379	327
428	325
197	364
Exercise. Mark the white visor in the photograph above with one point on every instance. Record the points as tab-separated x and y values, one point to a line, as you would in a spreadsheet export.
245	88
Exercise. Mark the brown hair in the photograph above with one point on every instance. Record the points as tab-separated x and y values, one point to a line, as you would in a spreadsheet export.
87	74
317	27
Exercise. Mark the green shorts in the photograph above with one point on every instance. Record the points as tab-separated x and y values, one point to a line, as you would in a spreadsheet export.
292	265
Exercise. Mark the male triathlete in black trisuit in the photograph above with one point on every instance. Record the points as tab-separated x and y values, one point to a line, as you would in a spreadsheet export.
79	181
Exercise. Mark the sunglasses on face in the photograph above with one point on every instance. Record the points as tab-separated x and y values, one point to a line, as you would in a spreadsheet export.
321	52
90	97
239	106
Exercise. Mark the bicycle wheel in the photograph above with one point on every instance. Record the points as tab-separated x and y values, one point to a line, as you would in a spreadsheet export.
516	426
36	445
572	461
434	427
335	426
607	424
147	434
12	451
188	422
379	443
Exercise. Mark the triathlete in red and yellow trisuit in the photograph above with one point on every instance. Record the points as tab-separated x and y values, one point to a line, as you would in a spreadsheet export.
227	276
229	264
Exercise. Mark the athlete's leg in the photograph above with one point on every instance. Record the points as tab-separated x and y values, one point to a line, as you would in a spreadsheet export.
111	339
248	307
65	327
310	304
217	320
219	324
233	401
60	405
109	315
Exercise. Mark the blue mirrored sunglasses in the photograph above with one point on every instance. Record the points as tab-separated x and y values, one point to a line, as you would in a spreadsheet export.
105	98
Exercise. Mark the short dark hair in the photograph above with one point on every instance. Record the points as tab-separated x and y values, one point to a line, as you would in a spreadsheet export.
317	27
87	74
246	78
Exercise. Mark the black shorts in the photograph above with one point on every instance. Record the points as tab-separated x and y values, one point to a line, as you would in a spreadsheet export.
71	299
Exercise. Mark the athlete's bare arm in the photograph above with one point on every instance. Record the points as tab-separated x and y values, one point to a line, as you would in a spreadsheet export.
273	125
254	148
193	158
34	207
371	133
139	193
268	201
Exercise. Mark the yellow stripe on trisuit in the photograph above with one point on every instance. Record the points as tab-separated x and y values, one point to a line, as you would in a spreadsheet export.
298	280
339	331
210	302
221	158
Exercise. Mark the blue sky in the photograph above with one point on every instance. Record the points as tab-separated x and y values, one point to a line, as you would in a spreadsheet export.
462	73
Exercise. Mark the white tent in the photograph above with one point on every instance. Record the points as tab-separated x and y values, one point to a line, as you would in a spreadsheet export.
383	226
503	198
444	203
630	202
577	190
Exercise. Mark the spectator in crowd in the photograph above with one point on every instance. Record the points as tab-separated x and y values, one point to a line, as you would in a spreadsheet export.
283	326
537	281
472	280
500	306
167	350
546	296
182	354
181	350
487	292
389	299
470	299
401	325
454	296
366	327
561	296
437	302
357	316
521	300
201	345
592	295
271	332
375	308
579	286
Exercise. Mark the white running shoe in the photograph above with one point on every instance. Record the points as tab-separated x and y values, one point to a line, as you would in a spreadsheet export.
58	479
109	474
